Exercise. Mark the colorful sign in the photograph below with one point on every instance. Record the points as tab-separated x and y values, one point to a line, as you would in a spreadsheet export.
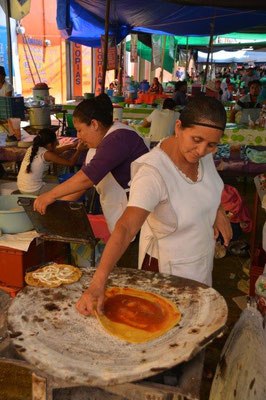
98	71
77	69
134	48
112	53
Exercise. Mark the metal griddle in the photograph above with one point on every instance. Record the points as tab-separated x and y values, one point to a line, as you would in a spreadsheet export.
64	221
50	334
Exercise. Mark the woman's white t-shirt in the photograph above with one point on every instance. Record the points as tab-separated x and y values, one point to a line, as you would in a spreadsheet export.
6	88
162	123
33	181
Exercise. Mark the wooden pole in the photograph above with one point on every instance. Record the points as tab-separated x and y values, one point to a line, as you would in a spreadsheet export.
105	56
210	47
120	68
163	54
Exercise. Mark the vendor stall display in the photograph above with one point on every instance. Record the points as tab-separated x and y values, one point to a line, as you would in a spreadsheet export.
150	98
241	135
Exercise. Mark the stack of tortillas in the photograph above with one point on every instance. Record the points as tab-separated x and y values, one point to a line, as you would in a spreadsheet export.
53	275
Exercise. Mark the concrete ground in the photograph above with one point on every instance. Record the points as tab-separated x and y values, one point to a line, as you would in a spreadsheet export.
15	383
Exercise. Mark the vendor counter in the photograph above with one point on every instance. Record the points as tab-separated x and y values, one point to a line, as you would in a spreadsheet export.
150	98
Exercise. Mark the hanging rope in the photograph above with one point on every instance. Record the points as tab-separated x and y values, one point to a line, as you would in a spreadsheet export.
28	61
34	63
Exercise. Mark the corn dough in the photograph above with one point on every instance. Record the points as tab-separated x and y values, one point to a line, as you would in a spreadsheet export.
137	316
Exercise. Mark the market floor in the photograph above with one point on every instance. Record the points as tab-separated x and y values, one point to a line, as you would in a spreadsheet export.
228	271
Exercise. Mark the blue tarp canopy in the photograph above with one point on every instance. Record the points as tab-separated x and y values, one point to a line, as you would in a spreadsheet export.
82	21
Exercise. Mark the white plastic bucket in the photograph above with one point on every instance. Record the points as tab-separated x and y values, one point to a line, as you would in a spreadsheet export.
8	188
41	94
117	113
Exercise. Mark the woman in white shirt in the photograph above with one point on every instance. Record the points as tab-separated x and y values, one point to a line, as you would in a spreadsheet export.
175	199
37	159
6	89
162	122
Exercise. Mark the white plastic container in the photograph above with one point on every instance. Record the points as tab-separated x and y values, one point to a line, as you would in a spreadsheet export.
41	94
117	112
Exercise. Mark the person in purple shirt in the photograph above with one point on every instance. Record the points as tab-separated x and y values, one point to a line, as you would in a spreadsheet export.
112	149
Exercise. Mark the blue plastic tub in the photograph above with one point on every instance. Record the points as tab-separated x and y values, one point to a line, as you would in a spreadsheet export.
64	177
13	218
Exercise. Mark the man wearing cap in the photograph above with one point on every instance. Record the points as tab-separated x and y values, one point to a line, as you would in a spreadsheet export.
6	89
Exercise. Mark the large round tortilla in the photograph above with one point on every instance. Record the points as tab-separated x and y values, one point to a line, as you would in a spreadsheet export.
74	277
137	316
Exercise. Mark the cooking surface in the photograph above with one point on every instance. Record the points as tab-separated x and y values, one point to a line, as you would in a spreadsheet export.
50	334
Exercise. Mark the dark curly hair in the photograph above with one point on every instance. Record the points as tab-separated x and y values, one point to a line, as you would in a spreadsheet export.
44	137
99	108
201	109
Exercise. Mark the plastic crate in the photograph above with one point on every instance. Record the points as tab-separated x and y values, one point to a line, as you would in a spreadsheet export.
12	107
256	269
14	263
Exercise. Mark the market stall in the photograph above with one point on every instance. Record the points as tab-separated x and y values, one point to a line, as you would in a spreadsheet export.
150	98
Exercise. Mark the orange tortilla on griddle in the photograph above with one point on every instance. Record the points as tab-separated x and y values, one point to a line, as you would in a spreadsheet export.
137	316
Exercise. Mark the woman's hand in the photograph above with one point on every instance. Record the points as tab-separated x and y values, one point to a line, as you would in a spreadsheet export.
94	294
42	202
222	225
82	146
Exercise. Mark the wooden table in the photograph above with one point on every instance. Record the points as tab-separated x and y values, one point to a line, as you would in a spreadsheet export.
16	154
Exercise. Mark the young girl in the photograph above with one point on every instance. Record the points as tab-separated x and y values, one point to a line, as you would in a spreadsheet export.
37	159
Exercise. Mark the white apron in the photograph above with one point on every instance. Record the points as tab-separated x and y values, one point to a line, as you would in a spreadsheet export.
113	197
180	230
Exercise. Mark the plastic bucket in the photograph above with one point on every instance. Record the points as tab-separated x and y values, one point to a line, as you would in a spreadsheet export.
117	113
8	188
64	177
13	218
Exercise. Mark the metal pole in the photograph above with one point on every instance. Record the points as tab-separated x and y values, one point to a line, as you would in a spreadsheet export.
187	58
9	42
105	58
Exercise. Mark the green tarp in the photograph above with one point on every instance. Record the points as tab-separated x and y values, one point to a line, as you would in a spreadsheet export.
145	52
